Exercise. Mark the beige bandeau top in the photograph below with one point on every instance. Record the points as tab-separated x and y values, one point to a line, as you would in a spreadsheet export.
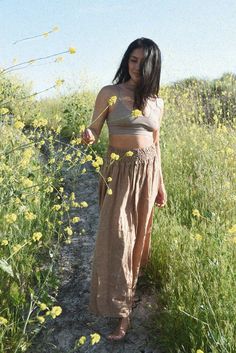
121	122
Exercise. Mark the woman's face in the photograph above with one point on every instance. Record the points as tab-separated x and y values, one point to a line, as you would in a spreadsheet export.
135	60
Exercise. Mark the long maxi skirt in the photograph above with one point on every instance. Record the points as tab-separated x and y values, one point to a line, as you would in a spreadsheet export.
122	243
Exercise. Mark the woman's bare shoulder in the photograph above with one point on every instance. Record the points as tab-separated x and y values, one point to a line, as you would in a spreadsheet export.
109	90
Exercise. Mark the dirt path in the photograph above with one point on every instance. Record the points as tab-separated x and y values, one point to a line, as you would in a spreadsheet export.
74	271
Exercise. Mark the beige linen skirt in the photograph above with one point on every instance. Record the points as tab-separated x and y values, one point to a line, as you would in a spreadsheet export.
123	237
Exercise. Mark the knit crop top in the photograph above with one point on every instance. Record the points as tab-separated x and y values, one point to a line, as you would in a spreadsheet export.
120	120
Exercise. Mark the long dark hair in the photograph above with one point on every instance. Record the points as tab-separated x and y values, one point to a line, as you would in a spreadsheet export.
150	71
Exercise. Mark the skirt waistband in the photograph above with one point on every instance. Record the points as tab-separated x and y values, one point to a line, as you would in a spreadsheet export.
133	154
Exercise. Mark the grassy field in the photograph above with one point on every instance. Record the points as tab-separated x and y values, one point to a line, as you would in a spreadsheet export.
192	263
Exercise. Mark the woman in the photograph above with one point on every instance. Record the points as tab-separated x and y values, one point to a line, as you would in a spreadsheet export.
131	181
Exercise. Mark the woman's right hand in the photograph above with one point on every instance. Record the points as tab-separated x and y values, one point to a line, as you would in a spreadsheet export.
87	137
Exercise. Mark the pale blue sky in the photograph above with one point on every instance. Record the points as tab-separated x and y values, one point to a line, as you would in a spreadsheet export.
195	37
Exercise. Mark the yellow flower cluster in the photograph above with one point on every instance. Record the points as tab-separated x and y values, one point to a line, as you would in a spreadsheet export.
129	154
95	338
75	219
83	204
30	216
39	122
109	191
56	207
76	141
136	113
114	156
16	247
72	50
19	124
98	162
4	111
4	242
59	82
196	213
198	236
26	182
68	230
55	311
37	236
3	320
10	218
112	100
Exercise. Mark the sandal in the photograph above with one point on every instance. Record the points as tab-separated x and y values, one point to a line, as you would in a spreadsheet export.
121	330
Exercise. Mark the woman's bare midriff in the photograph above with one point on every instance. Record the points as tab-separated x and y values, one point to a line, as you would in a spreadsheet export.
130	141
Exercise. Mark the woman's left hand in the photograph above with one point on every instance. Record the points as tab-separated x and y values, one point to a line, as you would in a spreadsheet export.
161	198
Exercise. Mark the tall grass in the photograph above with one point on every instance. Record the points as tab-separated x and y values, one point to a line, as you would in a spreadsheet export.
193	263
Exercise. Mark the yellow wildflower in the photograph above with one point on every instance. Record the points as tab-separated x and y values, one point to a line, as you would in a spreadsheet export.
109	191
43	306
30	216
4	110
10	218
49	189
112	100
81	341
72	50
68	157
109	179
99	160
26	182
68	230
40	122
199	351
89	157
196	213
4	242
41	319
129	153
37	236
83	171
72	196
56	207
136	113
95	338
115	156
16	247
95	164
52	160
198	236
229	150
59	82
68	241
81	128
56	311
75	219
19	124
83	204
3	321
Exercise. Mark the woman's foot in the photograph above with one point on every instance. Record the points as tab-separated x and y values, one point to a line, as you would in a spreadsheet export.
121	329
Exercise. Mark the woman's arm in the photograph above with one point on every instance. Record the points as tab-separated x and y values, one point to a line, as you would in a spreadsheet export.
99	116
